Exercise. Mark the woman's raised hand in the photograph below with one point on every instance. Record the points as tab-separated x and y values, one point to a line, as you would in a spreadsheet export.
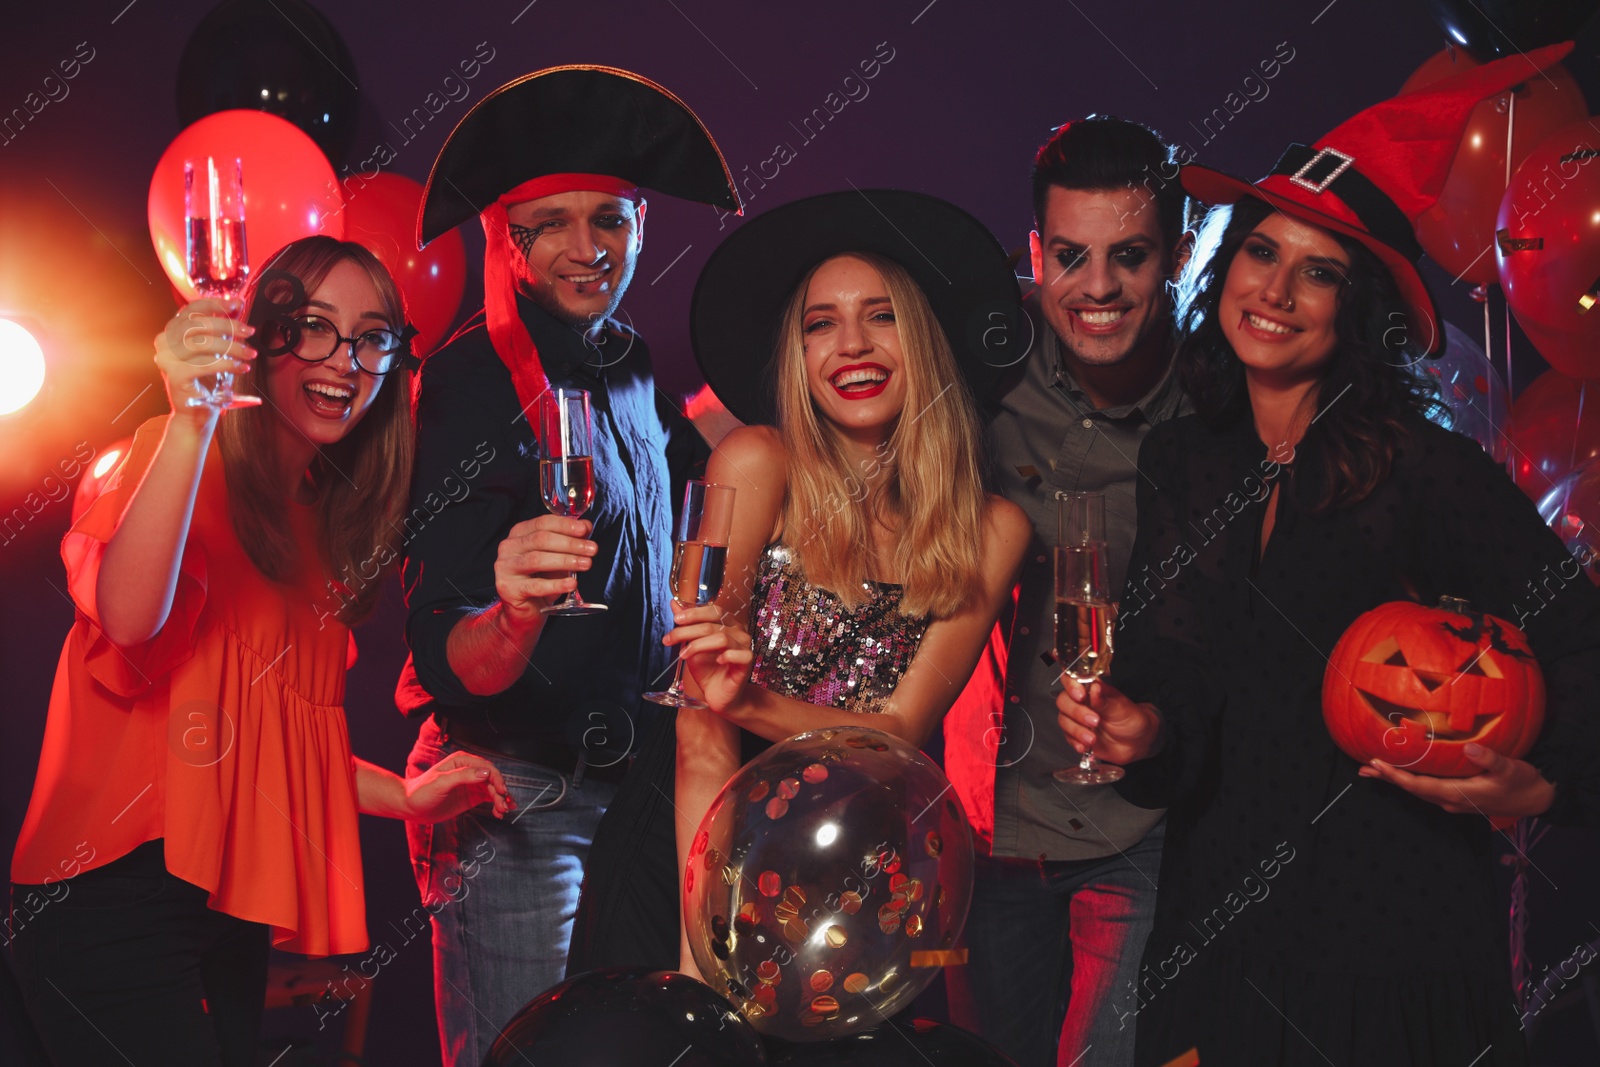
1099	716
203	339
718	654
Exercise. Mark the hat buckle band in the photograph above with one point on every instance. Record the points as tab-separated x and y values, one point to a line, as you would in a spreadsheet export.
1303	177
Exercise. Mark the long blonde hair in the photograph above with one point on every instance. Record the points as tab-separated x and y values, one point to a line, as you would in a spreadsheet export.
926	482
361	481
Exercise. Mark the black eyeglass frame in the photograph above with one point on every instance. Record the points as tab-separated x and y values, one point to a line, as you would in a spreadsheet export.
398	353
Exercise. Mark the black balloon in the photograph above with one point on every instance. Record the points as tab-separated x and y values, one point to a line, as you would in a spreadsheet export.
628	1015
278	56
918	1043
1494	29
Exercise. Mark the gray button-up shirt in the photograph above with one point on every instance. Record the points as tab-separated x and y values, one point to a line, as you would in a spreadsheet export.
1047	436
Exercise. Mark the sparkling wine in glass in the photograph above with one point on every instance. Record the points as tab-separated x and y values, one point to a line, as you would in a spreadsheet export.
699	556
566	472
1085	613
218	263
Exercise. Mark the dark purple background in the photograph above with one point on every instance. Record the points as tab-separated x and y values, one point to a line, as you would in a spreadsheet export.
970	92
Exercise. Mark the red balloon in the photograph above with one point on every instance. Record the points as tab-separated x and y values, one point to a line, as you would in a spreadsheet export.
1548	248
1458	230
381	213
1555	428
289	188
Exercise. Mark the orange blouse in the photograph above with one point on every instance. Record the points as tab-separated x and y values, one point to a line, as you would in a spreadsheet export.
224	735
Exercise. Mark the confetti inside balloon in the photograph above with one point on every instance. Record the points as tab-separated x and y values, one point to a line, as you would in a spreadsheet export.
866	874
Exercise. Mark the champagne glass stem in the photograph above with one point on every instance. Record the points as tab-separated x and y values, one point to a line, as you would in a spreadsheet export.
676	688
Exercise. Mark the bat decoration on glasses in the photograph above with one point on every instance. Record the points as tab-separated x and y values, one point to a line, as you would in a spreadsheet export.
279	330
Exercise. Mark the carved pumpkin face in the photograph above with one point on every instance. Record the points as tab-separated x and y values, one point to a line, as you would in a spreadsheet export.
1413	685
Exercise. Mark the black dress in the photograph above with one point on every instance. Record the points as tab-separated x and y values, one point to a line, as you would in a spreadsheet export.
1307	915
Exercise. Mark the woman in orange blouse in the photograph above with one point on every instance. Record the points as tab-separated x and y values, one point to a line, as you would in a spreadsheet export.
196	793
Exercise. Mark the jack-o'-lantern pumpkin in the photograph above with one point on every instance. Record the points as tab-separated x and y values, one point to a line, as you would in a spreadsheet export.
1413	685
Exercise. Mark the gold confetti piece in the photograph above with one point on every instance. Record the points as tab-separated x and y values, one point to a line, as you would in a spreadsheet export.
856	982
777	808
815	773
770	884
1509	244
914	926
789	788
836	936
759	793
939	957
850	902
821	981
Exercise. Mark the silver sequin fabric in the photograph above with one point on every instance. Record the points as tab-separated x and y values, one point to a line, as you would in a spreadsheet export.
809	646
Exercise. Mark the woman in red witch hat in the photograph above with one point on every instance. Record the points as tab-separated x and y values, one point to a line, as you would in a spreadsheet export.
1311	909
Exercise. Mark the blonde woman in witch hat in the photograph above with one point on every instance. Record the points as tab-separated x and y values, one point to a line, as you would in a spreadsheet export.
1313	910
866	557
552	164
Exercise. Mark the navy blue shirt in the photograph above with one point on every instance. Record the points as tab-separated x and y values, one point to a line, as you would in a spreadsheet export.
477	475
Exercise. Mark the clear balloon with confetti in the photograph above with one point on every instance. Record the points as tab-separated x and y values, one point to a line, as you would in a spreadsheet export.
1471	388
828	883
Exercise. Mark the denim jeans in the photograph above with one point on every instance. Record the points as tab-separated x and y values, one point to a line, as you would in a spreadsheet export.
502	894
1049	945
125	963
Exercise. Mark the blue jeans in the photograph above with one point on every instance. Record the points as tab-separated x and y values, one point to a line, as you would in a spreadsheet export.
502	894
1049	945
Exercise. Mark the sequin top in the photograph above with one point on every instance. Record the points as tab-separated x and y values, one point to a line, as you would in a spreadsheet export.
811	647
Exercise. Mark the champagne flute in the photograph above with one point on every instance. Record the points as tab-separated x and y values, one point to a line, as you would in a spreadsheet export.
1085	614
566	472
698	558
217	262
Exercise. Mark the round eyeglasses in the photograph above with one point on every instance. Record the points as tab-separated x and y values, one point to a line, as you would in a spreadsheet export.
312	339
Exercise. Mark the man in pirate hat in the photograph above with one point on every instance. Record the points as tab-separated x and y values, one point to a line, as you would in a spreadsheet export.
1071	867
551	164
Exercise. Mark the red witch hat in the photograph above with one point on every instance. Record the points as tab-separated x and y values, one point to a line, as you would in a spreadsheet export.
1372	175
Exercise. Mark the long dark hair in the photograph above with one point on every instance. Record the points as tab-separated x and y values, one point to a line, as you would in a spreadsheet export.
361	481
1366	389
